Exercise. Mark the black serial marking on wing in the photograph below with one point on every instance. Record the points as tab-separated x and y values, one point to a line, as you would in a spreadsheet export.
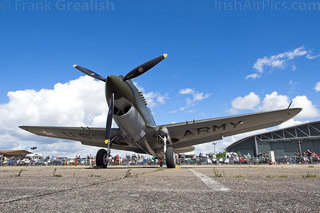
212	129
86	133
83	134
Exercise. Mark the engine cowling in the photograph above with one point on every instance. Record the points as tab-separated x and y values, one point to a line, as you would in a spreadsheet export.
129	120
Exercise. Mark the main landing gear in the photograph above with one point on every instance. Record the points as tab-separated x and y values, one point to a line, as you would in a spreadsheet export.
170	155
170	158
102	158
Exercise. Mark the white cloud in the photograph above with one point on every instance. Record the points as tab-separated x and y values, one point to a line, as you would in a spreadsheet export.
68	104
311	57
194	97
279	61
153	98
253	76
186	91
249	101
308	109
274	101
317	87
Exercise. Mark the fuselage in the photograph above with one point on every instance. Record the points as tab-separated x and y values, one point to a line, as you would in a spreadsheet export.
131	113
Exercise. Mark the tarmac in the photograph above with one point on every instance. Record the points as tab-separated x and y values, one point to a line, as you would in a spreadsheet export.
221	188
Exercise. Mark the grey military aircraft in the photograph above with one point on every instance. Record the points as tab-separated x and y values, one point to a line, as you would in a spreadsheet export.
138	131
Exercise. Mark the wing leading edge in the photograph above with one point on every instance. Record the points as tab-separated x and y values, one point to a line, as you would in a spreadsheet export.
87	136
203	131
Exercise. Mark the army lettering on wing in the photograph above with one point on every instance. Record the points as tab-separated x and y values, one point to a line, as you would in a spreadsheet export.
188	133
207	130
235	125
221	127
203	130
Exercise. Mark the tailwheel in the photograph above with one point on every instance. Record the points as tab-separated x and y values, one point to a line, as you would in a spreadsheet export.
170	158
102	158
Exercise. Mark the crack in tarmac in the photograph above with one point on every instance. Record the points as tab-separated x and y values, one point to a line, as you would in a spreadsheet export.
74	188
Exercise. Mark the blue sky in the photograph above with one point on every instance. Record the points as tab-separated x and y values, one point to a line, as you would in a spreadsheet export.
211	48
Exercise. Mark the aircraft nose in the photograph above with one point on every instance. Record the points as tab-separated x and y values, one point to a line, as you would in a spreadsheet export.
116	85
113	82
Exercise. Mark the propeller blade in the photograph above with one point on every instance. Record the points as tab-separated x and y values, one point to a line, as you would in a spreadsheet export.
89	72
144	67
109	119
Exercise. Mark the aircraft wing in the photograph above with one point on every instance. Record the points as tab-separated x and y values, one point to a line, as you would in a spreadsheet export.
196	132
86	135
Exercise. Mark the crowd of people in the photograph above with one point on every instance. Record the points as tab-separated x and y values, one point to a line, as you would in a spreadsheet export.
182	159
307	157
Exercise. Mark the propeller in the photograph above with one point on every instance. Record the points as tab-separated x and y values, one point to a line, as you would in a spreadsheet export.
109	121
89	72
139	70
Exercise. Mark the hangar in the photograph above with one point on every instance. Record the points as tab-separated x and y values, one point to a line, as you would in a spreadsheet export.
14	153
284	142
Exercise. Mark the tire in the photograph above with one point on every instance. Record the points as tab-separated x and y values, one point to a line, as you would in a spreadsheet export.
102	158
170	158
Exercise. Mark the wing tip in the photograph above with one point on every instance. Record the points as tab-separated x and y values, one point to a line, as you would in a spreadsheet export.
292	112
22	127
296	110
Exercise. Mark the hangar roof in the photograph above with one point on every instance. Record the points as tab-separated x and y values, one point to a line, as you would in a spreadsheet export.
13	152
299	132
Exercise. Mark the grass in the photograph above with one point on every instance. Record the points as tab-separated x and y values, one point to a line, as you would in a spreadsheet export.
279	176
309	175
238	176
217	173
128	174
55	174
19	173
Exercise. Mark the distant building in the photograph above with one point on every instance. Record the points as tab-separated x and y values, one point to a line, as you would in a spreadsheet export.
14	153
284	142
